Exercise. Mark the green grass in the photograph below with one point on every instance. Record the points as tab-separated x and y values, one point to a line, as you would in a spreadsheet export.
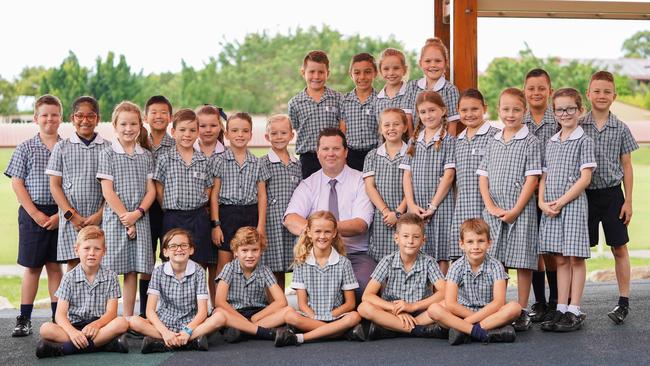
10	288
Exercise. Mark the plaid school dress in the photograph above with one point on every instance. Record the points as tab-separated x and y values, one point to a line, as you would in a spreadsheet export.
284	179
507	164
388	181
427	167
567	233
469	203
129	174
76	163
401	100
447	91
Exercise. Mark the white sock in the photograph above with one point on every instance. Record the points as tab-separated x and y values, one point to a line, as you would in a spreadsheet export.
562	308
300	337
574	309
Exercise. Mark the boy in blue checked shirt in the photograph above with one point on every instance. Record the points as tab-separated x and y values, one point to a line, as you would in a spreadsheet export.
475	297
406	280
86	318
242	290
38	218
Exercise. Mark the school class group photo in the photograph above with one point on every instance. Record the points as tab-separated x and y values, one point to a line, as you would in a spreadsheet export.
400	218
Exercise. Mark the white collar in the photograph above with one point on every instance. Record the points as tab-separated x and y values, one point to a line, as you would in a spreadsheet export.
190	269
576	134
218	148
436	136
76	140
381	150
422	84
521	134
402	91
274	158
118	148
485	127
332	260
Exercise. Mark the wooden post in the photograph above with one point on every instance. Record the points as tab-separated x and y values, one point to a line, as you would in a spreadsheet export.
441	26
464	51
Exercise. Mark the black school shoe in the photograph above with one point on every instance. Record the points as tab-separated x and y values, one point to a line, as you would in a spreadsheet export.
23	327
285	337
154	345
549	325
197	344
618	314
49	349
232	335
435	330
118	344
376	331
356	334
522	323
569	322
550	312
457	337
505	334
538	311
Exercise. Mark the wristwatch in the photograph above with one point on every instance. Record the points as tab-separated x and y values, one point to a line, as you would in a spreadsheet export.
432	207
398	214
68	215
215	223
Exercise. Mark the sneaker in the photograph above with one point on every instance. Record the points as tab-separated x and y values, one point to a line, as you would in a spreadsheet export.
522	323
356	334
505	334
232	335
569	322
376	331
457	337
549	325
538	311
23	327
617	314
153	345
49	349
550	312
435	330
118	344
285	337
198	344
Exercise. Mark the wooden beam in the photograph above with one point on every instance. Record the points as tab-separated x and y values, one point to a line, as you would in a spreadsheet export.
574	9
441	25
464	49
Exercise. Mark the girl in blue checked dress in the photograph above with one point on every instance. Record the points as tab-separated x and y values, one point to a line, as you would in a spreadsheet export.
125	171
568	164
383	181
394	94
429	169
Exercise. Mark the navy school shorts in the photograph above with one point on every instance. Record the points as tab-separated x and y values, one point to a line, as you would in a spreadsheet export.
36	245
605	206
197	222
234	217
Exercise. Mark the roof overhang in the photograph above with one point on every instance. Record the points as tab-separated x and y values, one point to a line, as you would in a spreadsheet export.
575	9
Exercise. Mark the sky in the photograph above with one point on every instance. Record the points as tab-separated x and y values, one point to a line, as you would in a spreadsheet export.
156	35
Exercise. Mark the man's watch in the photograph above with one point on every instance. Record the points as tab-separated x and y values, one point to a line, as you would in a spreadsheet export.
68	215
215	223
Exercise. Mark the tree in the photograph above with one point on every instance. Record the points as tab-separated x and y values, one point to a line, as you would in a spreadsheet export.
8	97
68	81
111	83
637	46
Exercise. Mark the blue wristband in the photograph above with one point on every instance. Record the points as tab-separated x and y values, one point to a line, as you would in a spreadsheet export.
187	330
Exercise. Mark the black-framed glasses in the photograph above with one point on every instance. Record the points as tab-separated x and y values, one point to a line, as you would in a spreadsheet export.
570	111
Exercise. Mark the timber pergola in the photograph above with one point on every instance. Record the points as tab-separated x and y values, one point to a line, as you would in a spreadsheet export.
456	23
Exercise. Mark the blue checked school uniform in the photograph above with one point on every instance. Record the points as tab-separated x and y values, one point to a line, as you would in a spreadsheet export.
129	175
469	203
427	166
545	130
567	233
401	100
412	286
325	285
155	211
506	165
36	245
76	163
178	298
361	122
218	148
388	181
447	91
165	146
283	180
309	117
247	292
87	300
476	289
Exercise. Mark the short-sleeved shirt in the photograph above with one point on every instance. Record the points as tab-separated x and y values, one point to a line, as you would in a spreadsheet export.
325	285
218	148
166	144
184	185
239	183
412	286
447	91
28	162
475	290
88	300
309	117
312	194
614	140
401	100
361	122
178	299
247	292
547	128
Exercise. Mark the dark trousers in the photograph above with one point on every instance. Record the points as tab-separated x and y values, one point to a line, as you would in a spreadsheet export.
356	158
310	164
362	265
